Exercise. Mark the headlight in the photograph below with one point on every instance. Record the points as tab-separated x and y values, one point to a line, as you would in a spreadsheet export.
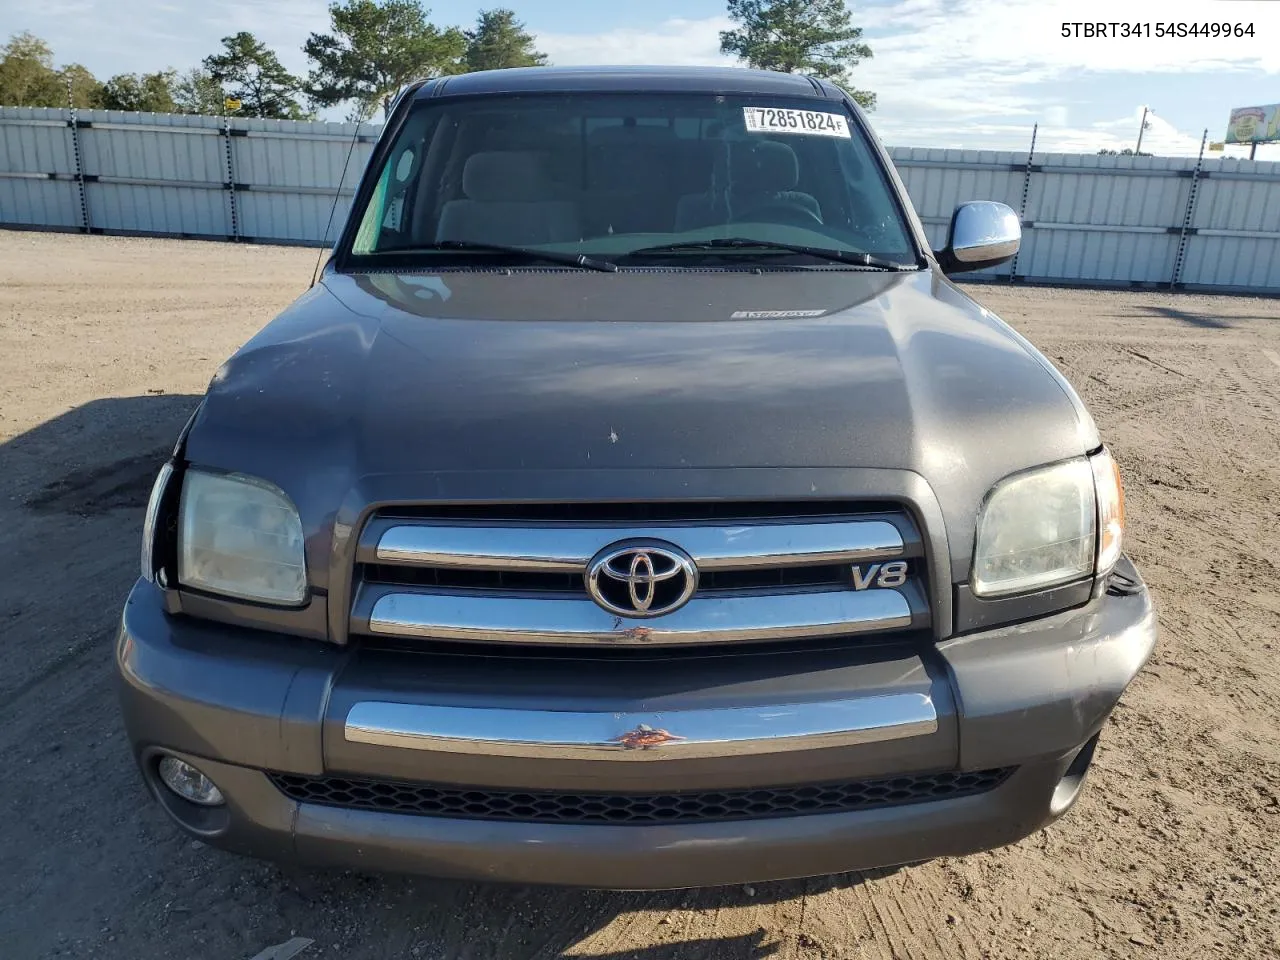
241	537
1037	529
1106	480
152	518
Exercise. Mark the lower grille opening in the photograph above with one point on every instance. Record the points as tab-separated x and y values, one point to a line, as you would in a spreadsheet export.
634	808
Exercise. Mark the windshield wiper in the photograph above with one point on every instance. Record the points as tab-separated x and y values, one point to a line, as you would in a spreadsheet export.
746	243
524	253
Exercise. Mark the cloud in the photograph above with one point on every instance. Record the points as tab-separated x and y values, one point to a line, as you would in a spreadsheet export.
1021	39
1056	115
282	25
994	58
980	73
156	34
1161	137
672	42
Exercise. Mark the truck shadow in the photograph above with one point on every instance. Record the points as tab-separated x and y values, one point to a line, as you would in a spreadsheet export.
478	920
72	494
95	458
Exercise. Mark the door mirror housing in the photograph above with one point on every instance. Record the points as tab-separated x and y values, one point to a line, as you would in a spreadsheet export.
982	234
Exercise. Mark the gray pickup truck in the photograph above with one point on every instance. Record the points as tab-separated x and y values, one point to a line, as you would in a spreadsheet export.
633	503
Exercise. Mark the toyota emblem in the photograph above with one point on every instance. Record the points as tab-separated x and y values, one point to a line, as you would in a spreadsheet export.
641	578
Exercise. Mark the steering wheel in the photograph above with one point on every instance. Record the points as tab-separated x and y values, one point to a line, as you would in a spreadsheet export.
785	213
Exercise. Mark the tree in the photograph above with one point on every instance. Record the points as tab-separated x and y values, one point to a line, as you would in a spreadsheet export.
1126	152
197	92
250	71
144	93
27	77
85	90
798	36
376	47
500	40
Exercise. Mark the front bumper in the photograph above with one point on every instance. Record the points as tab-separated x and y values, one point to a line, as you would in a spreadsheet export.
241	705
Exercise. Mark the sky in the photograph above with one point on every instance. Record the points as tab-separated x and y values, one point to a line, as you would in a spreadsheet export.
973	74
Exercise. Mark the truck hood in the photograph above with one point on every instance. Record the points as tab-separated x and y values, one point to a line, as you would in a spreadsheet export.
467	374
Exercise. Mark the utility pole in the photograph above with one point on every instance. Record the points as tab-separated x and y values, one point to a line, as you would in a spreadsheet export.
1141	127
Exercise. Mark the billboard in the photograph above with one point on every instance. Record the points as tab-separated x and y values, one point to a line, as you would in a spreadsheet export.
1254	124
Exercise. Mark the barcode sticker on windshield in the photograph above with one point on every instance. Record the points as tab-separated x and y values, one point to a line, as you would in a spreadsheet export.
814	123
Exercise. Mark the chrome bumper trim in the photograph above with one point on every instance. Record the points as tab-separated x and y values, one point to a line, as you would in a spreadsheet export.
567	549
664	735
722	619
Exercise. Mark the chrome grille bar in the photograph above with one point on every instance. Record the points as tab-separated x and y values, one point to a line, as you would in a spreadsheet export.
570	620
665	735
552	548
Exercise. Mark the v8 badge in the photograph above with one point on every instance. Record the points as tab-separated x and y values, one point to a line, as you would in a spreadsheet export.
892	574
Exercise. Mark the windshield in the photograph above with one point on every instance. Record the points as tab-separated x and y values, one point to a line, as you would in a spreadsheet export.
615	176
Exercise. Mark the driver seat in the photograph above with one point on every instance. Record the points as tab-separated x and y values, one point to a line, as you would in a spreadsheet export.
759	174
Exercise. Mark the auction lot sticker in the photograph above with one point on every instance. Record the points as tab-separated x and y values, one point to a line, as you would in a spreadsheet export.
814	123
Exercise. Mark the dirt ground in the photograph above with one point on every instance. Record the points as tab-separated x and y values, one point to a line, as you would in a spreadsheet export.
105	344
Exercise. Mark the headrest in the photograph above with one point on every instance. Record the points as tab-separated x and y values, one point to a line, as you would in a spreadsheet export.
764	167
506	176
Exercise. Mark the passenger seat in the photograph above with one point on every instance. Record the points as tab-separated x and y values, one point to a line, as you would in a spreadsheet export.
510	199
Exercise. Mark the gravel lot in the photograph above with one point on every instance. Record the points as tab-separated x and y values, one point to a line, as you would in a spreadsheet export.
105	344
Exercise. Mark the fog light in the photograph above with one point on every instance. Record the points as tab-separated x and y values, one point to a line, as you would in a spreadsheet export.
189	783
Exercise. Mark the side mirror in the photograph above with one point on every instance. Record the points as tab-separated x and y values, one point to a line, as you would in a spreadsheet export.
983	234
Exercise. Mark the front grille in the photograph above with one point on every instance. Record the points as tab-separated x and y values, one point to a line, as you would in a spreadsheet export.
431	800
753	573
